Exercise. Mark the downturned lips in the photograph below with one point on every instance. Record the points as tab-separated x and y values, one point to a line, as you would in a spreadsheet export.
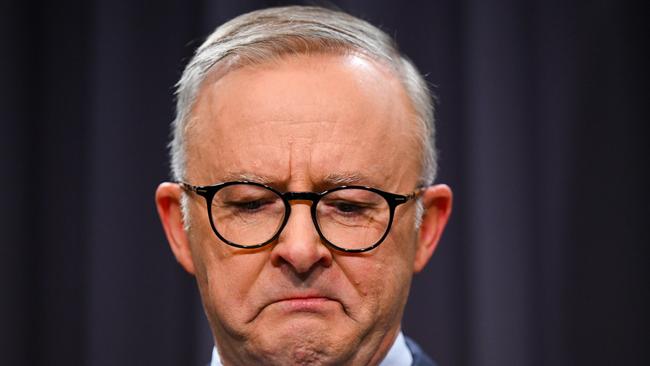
306	304
305	301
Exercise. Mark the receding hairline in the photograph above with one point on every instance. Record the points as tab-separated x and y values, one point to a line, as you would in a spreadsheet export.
236	62
227	65
263	35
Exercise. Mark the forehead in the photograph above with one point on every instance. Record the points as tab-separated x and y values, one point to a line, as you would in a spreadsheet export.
311	116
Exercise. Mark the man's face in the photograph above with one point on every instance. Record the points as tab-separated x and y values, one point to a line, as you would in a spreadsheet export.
304	123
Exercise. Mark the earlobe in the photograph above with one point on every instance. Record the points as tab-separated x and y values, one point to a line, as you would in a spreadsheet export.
437	201
168	203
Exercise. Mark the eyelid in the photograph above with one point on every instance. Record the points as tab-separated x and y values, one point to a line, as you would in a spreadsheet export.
334	201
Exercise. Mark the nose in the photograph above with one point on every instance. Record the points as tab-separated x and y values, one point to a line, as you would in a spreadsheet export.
299	246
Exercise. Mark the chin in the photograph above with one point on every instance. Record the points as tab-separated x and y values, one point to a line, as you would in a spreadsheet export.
303	351
304	341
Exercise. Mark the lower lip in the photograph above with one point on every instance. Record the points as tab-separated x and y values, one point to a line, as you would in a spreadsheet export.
309	304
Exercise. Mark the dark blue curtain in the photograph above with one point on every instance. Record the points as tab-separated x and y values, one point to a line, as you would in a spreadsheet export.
541	127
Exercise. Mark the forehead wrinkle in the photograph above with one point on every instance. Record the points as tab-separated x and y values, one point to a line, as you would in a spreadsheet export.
299	158
297	121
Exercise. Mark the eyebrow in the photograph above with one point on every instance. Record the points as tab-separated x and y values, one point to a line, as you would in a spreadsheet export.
329	181
248	177
346	178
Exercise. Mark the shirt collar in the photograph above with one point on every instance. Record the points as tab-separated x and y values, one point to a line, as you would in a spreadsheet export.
398	355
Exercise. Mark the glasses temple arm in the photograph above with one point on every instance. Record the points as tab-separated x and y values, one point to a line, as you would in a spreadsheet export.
188	187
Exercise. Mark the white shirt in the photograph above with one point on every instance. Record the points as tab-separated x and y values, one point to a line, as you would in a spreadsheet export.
398	355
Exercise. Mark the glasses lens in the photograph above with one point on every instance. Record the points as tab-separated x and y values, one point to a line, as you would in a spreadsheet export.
353	218
247	214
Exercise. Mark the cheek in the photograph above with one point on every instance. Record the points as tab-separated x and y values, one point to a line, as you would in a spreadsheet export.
394	268
226	279
381	282
403	241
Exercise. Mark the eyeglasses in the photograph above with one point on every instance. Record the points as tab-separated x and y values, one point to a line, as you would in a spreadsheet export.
250	215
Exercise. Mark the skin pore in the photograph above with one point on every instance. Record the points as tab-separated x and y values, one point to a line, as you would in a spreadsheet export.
304	123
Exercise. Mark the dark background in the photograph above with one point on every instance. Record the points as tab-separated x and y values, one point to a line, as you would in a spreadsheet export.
541	120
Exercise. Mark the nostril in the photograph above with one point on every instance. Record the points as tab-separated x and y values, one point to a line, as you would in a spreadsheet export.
301	255
301	264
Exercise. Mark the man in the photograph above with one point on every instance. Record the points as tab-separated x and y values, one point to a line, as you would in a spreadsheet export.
302	201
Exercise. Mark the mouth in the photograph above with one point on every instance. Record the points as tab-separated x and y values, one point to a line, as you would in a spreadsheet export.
305	301
305	304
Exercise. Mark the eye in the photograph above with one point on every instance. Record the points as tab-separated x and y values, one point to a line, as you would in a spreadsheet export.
347	206
249	205
347	209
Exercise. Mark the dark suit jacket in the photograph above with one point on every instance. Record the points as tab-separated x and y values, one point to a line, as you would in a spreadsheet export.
419	357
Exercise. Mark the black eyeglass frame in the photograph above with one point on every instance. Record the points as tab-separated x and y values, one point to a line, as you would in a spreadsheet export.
393	200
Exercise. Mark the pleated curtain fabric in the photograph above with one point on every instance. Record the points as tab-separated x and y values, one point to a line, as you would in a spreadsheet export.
541	128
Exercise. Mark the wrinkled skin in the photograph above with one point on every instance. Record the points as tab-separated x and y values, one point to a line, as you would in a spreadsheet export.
304	123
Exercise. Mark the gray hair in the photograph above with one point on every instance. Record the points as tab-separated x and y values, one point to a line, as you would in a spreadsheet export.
268	34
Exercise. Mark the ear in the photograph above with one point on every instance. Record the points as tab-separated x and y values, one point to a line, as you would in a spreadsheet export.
437	208
168	202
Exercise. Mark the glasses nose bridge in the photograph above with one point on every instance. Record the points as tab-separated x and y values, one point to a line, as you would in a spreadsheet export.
312	197
305	197
301	196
